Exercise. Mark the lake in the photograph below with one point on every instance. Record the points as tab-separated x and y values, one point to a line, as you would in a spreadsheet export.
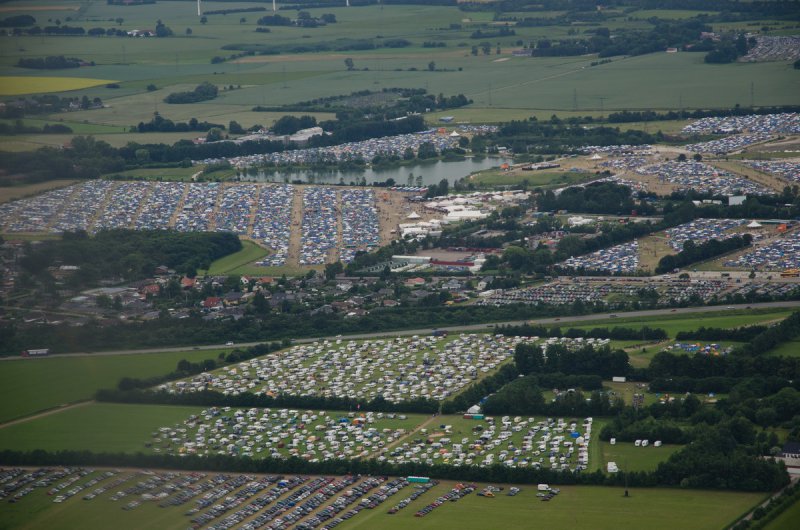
431	172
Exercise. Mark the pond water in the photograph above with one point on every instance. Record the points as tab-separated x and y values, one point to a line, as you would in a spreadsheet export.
431	172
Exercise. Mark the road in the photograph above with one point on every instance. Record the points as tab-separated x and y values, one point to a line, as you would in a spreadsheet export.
452	329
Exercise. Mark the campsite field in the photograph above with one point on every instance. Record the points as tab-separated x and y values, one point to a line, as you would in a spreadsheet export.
41	384
631	458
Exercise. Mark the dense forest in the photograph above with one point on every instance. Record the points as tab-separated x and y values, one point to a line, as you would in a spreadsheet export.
128	254
556	136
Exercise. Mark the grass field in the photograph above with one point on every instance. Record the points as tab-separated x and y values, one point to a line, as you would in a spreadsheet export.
240	260
40	384
494	177
502	87
19	85
99	427
168	173
672	324
10	193
631	458
789	349
788	520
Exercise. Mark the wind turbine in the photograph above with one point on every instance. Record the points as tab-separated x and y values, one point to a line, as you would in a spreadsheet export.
274	5
199	9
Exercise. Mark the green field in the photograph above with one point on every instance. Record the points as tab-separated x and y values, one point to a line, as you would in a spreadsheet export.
788	520
494	177
501	86
239	260
789	349
98	427
19	85
672	324
40	384
170	173
631	458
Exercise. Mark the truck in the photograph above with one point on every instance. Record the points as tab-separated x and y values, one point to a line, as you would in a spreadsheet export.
439	333
41	352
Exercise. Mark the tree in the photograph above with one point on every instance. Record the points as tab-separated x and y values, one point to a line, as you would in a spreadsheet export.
188	31
349	63
697	157
528	358
119	21
242	20
151	87
214	135
203	20
332	269
142	155
162	30
235	128
431	66
681	158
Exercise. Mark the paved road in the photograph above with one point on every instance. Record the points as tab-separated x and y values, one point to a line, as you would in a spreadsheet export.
452	329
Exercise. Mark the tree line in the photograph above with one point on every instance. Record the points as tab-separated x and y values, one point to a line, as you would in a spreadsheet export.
692	253
159	123
51	62
209	398
205	91
645	333
742	334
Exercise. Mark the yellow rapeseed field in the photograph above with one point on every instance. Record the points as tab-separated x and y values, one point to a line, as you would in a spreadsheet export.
18	85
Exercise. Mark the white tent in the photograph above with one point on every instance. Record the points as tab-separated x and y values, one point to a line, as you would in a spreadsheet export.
413	215
754	224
